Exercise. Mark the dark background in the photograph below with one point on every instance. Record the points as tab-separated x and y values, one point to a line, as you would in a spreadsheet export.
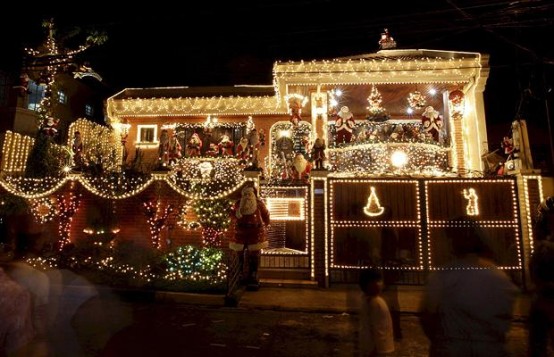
214	44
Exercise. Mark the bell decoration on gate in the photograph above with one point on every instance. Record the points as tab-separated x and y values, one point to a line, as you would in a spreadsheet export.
373	207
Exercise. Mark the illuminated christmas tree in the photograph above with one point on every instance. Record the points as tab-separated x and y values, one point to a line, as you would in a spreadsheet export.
373	207
376	111
43	64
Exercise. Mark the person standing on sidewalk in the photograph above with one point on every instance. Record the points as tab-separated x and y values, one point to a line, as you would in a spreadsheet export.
376	336
541	265
467	305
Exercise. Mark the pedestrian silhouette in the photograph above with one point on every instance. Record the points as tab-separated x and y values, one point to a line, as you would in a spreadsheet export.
541	266
467	305
376	336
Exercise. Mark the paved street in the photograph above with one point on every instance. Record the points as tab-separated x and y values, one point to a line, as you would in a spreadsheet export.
155	329
90	321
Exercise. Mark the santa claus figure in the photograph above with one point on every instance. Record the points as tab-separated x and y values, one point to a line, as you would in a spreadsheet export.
174	149
344	125
77	148
254	142
163	149
318	154
50	127
243	150
301	167
213	150
226	146
194	146
432	123
295	108
251	218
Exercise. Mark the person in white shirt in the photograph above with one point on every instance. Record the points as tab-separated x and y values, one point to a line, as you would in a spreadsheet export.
376	336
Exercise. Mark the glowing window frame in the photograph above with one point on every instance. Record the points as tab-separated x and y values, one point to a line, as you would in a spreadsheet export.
273	202
142	127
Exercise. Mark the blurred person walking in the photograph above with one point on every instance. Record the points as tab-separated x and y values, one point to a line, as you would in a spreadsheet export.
376	337
467	305
541	266
16	318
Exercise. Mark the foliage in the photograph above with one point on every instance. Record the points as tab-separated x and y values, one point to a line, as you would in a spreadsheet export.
100	153
190	267
213	213
45	158
11	204
127	264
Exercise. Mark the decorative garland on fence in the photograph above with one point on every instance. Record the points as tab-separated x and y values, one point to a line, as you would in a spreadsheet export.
207	179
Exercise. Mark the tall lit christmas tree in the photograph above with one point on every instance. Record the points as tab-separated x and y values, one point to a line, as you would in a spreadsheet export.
43	64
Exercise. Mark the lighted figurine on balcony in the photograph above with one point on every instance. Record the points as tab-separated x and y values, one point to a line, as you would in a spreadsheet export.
344	125
432	123
163	149
251	218
174	149
226	146
261	134
295	108
301	168
213	150
77	148
318	154
194	146
254	147
243	150
50	127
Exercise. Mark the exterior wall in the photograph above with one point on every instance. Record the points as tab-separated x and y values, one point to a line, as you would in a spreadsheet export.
406	235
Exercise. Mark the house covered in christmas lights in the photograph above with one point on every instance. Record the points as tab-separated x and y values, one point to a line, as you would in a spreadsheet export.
362	161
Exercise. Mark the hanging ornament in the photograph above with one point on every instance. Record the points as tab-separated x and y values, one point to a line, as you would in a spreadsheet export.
44	209
456	97
456	100
416	100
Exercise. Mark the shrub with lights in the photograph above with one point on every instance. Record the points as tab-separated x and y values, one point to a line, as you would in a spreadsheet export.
214	218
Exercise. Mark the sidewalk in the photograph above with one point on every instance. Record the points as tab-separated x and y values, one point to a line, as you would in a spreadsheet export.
335	299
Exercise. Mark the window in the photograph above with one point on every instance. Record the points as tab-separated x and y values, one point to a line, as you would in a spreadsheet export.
147	134
62	97
35	96
89	110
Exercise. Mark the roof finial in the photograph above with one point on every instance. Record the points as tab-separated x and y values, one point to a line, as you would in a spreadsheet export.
386	42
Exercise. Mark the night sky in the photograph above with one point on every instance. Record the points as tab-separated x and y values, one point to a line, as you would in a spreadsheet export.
237	42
